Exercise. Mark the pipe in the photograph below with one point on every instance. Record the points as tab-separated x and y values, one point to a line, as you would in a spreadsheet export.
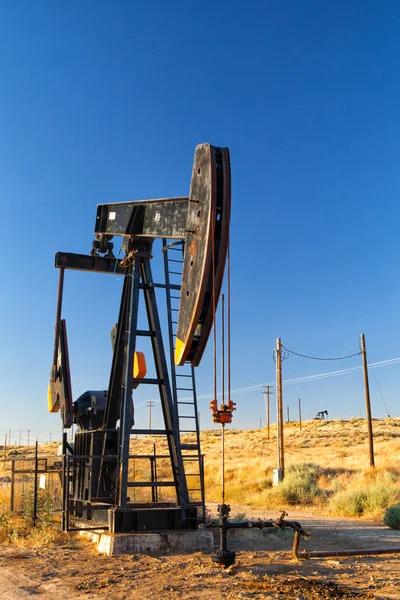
317	554
226	557
259	524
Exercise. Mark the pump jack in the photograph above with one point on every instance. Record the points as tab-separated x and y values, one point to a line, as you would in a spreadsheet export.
99	475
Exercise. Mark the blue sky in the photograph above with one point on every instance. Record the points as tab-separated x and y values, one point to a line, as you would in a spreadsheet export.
105	101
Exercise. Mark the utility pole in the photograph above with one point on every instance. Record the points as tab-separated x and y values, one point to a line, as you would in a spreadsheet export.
368	403
288	414
300	413
29	432
9	437
279	399
20	435
150	404
267	405
260	422
5	451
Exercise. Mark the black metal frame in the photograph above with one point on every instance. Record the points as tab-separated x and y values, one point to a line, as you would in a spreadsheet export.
112	440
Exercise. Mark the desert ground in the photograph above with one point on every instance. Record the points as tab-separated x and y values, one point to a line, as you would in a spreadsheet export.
59	565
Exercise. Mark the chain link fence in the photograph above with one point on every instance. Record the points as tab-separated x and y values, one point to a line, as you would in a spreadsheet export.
91	485
91	488
35	487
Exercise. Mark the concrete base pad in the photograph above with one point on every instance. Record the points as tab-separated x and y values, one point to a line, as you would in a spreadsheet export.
135	543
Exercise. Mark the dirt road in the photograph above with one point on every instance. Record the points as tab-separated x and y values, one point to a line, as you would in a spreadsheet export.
75	570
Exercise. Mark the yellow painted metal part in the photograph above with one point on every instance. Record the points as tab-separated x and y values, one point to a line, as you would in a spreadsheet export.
179	349
139	365
53	406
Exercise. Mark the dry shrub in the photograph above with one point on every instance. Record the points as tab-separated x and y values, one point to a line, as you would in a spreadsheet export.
298	487
369	494
18	528
391	518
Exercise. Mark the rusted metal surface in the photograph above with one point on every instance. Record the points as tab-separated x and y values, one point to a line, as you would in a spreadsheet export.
305	554
226	557
206	249
160	218
369	552
60	388
87	262
58	320
198	251
224	413
221	240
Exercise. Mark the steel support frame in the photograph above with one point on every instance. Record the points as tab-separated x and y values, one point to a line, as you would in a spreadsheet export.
138	276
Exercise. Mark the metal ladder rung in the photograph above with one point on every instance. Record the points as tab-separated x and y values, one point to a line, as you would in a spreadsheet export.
142	332
151	484
193	442
148	380
150	432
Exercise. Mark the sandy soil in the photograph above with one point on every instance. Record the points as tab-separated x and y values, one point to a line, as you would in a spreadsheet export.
75	570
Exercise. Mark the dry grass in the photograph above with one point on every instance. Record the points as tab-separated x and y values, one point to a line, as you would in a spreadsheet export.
338	457
327	466
337	479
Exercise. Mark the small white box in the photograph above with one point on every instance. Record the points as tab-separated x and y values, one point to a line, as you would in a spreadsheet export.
277	476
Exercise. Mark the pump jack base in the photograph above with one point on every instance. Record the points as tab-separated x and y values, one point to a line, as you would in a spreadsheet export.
162	542
226	558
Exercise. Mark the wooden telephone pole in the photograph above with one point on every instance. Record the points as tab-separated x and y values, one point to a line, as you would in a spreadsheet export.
368	403
300	413
279	399
267	405
5	451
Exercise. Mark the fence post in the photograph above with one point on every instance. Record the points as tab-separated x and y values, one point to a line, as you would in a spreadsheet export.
64	479
12	485
155	470
153	489
35	487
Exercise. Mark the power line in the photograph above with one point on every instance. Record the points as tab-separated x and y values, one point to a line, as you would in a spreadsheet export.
319	358
313	366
